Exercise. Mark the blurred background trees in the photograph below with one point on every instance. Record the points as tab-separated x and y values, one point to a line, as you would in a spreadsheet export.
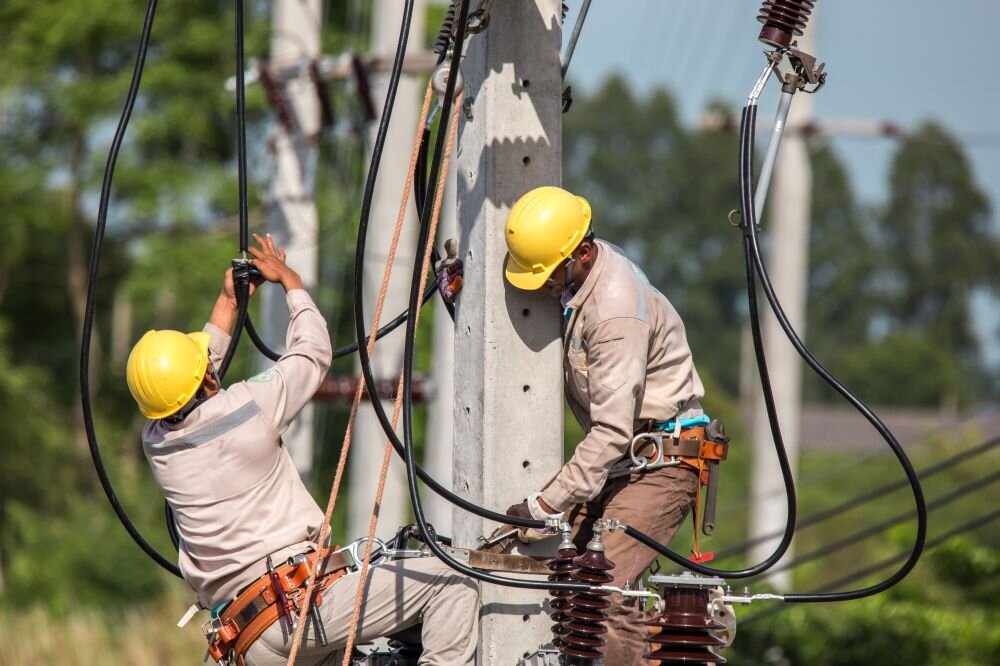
889	310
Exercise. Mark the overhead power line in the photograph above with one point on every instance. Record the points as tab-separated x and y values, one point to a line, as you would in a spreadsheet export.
861	535
875	493
864	572
858	461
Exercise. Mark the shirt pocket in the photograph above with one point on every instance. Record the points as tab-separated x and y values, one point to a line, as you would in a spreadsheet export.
577	375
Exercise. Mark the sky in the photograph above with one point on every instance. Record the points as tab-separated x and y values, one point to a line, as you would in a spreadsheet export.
903	61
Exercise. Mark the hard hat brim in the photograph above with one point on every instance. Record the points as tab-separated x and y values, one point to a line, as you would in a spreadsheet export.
524	279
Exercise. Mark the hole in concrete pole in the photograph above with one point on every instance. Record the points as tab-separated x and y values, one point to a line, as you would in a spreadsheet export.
526	83
525	618
526	160
525	464
526	312
525	388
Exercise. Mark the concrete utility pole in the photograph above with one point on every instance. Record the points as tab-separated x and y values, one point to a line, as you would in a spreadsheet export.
291	206
787	227
440	413
509	396
387	360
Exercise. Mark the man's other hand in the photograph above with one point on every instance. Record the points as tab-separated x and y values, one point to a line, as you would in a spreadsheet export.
270	262
519	511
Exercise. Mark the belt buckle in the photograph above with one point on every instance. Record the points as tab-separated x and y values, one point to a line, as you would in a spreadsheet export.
212	627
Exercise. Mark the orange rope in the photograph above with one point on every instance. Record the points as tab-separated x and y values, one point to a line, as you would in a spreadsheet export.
438	198
341	464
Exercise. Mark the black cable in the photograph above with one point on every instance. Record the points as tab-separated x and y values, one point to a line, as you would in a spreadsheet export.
874	493
168	516
361	338
746	202
408	351
88	318
242	283
486	513
869	569
749	224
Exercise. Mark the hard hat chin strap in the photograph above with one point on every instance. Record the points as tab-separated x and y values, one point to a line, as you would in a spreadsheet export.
569	285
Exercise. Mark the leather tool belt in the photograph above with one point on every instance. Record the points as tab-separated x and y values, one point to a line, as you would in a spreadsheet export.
700	448
257	607
655	449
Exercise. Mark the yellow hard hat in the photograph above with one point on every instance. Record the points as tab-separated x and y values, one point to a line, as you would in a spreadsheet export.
543	228
165	370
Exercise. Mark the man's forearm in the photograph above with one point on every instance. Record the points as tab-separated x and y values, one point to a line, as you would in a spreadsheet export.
223	314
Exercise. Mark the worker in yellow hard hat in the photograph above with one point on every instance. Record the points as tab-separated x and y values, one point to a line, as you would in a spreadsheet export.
627	370
245	519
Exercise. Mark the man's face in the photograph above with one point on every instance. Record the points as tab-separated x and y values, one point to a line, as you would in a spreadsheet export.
556	284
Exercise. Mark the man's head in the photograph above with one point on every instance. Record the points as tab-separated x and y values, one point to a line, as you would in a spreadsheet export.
549	241
168	372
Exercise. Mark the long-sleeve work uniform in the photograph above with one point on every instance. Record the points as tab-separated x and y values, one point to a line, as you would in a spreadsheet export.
626	362
237	498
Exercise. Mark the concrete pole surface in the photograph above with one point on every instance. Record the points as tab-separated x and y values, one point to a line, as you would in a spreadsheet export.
508	355
291	208
369	441
787	228
440	414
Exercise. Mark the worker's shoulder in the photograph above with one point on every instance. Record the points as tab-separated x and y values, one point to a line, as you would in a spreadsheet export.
622	290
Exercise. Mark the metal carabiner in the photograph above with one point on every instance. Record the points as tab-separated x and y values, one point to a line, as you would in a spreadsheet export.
639	463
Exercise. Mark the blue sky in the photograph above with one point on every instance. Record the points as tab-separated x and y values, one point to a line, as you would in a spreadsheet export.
898	60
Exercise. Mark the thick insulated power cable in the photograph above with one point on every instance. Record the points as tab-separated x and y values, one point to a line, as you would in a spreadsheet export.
750	235
88	318
408	353
359	310
242	285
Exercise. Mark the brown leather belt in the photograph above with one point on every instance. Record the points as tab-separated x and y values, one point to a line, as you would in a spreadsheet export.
255	609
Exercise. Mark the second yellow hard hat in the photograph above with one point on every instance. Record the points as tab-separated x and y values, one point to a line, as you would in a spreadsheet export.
165	370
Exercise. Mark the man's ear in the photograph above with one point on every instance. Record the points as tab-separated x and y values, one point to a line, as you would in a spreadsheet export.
210	382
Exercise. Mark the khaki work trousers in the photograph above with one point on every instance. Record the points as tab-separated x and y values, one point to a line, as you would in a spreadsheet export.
656	503
397	595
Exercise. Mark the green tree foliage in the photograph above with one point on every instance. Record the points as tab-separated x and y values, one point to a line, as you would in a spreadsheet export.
664	194
63	80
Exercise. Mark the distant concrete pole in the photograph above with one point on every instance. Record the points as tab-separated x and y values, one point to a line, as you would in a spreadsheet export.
291	206
387	360
787	227
508	355
440	415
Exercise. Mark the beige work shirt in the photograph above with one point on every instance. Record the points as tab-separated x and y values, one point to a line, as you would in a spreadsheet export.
224	471
626	361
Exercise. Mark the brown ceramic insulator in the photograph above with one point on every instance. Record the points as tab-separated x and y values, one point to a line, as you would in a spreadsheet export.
594	560
682	634
563	568
586	615
783	19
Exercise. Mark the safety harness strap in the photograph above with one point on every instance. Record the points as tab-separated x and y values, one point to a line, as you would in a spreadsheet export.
256	608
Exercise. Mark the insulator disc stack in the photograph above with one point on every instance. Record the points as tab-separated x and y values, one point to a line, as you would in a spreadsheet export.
586	616
783	19
447	30
563	570
682	634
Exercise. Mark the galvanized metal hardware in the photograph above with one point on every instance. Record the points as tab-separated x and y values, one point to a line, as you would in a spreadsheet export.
635	463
